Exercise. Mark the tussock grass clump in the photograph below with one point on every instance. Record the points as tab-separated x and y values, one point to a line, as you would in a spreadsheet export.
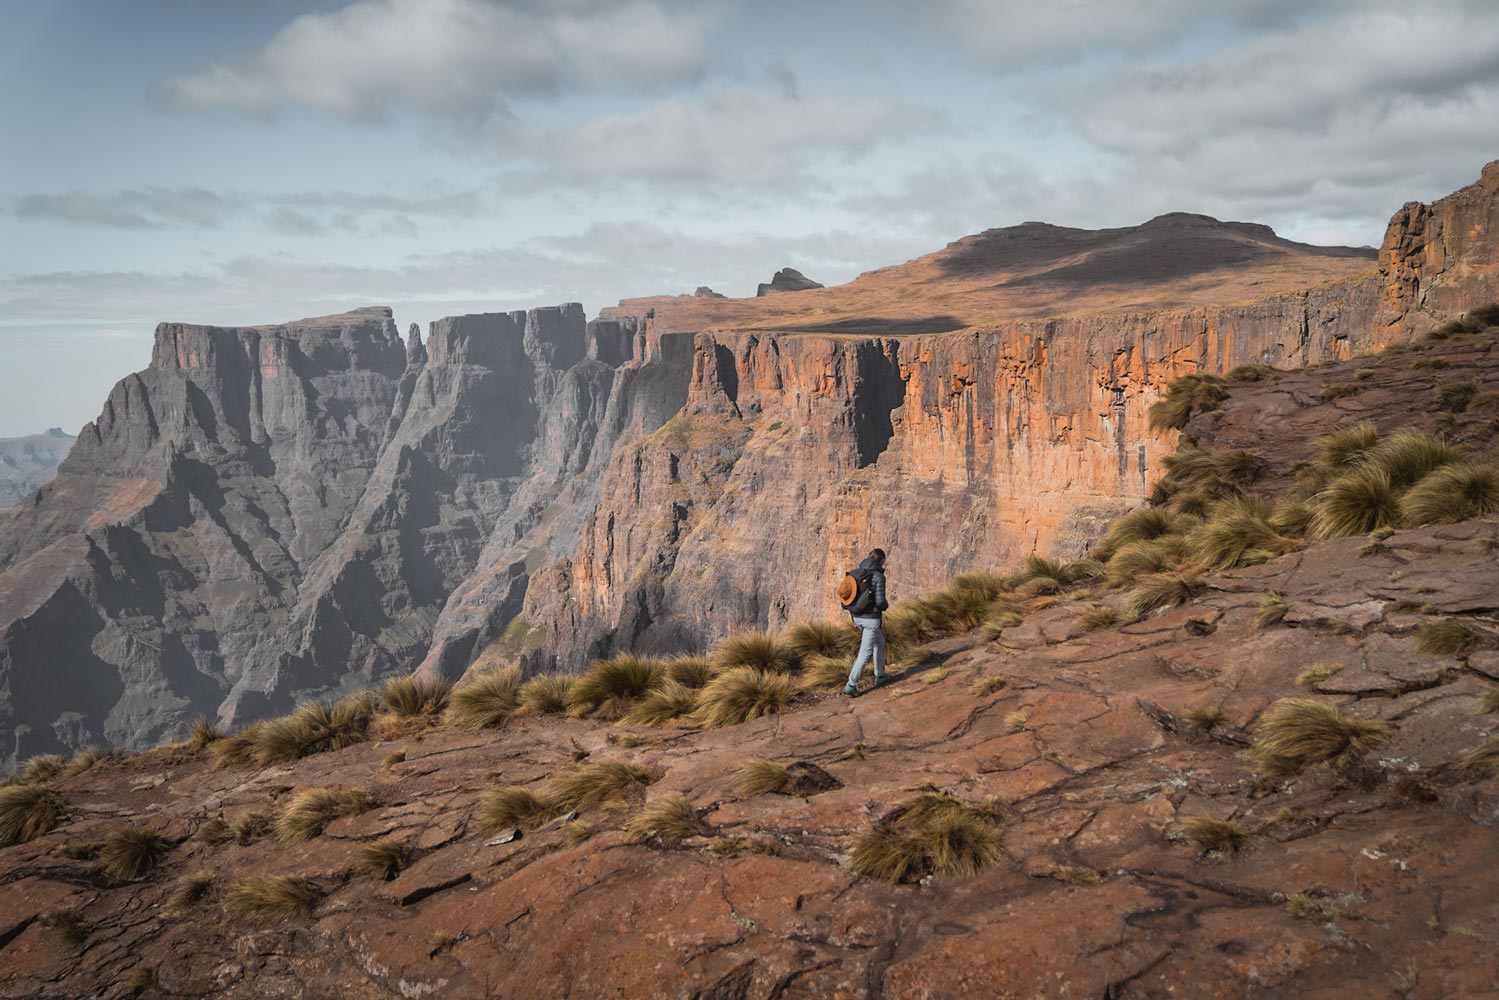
1189	393
1136	526
667	703
987	586
743	693
250	826
415	697
202	733
946	612
130	854
545	693
514	806
1330	391
187	892
617	681
1444	637
314	728
585	786
1238	533
1000	618
756	650
1454	397
667	819
1214	836
80	762
215	831
983	687
1290	515
1138	559
809	639
695	671
1355	503
1211	471
1408	456
1204	719
67	926
1097	616
272	899
1431	364
43	769
1452	493
26	812
1162	590
487	699
1250	373
932	833
758	776
1272	609
238	749
312	809
382	858
1490	701
1316	674
824	672
1297	732
1482	761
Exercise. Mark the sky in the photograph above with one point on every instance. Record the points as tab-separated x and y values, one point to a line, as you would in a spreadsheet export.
256	161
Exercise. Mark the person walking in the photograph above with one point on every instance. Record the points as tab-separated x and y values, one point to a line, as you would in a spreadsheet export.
867	610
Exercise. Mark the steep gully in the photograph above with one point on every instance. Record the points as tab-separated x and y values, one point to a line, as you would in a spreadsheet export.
272	513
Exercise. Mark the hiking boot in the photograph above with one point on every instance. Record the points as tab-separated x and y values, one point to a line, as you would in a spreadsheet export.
880	680
850	690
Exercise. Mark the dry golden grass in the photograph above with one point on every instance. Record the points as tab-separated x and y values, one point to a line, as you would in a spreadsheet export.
1452	493
314	728
487	699
824	672
758	776
757	651
382	858
202	733
1483	760
809	639
1444	637
1205	719
689	671
1097	616
415	697
667	819
187	892
514	806
576	831
740	694
1272	609
1196	392
272	899
1490	703
1076	875
236	750
1162	590
43	768
983	687
130	854
68	927
26	812
1316	674
585	786
933	833
615	683
1297	732
251	826
667	703
1214	836
312	809
1354	503
546	693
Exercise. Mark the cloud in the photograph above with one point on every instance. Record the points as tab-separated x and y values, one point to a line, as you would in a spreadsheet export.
460	59
732	135
294	213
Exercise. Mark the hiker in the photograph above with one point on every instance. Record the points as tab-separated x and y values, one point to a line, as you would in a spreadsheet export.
867	608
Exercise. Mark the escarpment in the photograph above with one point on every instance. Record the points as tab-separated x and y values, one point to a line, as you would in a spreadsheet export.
271	514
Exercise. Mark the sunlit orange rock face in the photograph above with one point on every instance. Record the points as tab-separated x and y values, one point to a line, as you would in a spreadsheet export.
965	409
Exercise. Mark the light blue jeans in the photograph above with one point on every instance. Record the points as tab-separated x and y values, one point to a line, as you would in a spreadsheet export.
872	644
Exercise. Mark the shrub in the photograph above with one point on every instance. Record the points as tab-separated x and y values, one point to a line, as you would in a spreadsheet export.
667	818
756	650
1162	590
1452	493
758	776
413	697
1482	761
696	671
1184	395
313	728
741	694
514	806
187	892
26	812
130	854
1239	533
1407	456
1444	637
933	833
269	899
587	785
810	639
1298	732
545	693
619	680
488	699
202	733
382	858
664	704
1342	448
312	809
1214	836
1097	616
1355	503
237	750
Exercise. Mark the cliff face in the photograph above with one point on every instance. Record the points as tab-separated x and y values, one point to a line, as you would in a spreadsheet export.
272	513
27	462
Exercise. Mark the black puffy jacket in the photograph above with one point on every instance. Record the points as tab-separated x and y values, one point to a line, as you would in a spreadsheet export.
876	589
